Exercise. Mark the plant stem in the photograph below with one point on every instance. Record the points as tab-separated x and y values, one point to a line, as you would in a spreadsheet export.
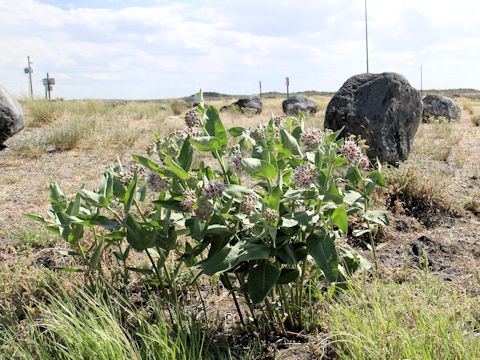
162	288
235	300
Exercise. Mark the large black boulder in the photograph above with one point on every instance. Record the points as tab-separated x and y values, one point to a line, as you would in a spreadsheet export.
384	109
296	103
438	106
247	104
11	116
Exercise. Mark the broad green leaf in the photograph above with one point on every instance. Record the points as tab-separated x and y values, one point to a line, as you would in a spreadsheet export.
149	164
377	178
259	168
261	279
289	142
333	194
340	218
214	126
176	169
287	254
352	260
186	155
130	193
57	197
93	264
138	236
236	131
354	175
206	143
230	256
321	247
171	204
377	216
288	275
93	198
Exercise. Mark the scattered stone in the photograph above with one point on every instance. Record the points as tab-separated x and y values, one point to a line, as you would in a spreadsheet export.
247	104
11	117
438	106
296	103
46	261
384	109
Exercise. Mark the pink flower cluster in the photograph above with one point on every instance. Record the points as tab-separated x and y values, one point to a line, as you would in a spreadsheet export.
271	216
351	151
155	182
304	176
311	138
213	189
189	198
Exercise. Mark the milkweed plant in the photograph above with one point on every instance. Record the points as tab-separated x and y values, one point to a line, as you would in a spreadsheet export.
262	210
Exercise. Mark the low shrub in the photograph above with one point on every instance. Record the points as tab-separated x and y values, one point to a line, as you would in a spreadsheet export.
476	120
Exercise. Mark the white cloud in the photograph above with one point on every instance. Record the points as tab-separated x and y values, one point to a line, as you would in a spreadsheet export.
173	48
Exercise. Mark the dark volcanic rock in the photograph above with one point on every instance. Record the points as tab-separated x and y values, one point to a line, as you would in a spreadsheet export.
440	106
251	103
11	116
384	109
296	103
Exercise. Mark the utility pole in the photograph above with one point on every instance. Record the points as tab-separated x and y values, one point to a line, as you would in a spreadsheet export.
421	82
287	84
366	33
260	84
28	70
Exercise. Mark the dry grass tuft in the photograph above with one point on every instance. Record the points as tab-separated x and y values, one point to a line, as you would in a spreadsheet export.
421	195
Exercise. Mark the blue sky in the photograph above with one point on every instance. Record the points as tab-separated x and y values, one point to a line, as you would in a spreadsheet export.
139	49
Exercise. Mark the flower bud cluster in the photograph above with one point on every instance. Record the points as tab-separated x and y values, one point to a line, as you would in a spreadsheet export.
236	158
260	132
304	176
189	198
126	175
311	138
213	189
277	121
249	204
192	118
204	210
271	216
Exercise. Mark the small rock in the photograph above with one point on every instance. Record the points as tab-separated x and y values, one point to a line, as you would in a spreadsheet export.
46	261
438	106
296	103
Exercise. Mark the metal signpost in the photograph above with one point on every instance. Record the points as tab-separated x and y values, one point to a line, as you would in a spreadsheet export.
260	84
287	84
28	70
48	82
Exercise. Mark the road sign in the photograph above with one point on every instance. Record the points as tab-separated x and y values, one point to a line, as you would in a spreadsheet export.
49	81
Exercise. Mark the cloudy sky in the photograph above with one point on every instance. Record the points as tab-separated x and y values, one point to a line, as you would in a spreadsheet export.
138	49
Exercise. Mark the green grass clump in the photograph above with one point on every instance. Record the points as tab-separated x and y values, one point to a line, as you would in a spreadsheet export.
424	319
67	135
82	326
